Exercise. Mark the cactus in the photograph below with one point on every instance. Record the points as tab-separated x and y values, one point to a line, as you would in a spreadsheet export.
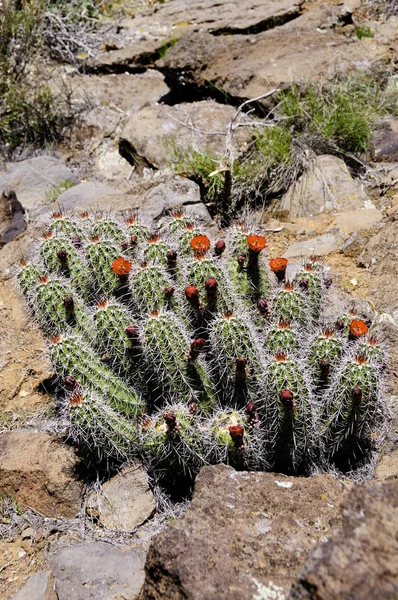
228	359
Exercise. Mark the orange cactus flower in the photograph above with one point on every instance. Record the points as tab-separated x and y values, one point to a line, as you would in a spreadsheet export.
256	243
200	244
121	266
358	328
278	266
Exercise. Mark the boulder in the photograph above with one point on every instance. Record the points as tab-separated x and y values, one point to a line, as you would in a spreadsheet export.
384	145
82	195
154	133
320	245
360	562
38	472
125	502
39	586
243	536
125	91
35	179
325	187
98	571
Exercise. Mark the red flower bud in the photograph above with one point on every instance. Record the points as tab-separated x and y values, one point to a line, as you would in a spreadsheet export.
69	304
237	432
287	400
192	295
219	247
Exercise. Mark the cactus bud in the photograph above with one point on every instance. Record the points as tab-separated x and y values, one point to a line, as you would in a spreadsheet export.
168	292
236	432
356	395
219	247
196	348
192	295
69	304
70	382
241	260
262	306
287	400
241	364
62	256
171	422
132	333
171	259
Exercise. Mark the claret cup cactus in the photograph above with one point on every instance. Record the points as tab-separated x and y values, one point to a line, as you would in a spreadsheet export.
182	351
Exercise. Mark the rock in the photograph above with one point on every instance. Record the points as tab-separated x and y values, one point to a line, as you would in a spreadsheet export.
13	217
125	91
131	58
246	66
320	245
82	195
172	193
244	533
98	571
39	586
125	502
384	145
358	220
37	471
380	256
326	186
360	562
152	134
35	179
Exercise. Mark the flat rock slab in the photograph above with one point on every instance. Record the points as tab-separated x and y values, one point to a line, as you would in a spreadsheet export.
361	561
39	586
325	187
98	571
320	245
152	134
243	534
358	220
128	92
125	502
35	179
38	472
82	195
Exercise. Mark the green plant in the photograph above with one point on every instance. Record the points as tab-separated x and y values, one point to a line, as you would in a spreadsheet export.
54	193
161	51
178	362
362	32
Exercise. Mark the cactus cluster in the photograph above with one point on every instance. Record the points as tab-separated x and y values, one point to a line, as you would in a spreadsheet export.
182	352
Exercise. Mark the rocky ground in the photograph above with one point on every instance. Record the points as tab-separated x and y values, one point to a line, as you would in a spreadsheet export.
245	535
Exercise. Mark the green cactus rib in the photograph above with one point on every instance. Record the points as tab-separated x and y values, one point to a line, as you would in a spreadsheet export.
283	336
147	284
177	225
28	277
324	354
198	270
290	304
50	304
71	356
232	340
310	277
93	424
249	281
61	257
67	226
371	349
111	321
156	251
100	255
352	406
166	353
180	446
107	229
238	240
184	241
140	230
289	426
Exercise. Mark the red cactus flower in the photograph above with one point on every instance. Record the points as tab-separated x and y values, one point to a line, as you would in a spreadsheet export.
177	213
278	266
237	432
121	266
189	226
43	279
256	243
358	328
192	295
22	263
200	244
228	314
193	408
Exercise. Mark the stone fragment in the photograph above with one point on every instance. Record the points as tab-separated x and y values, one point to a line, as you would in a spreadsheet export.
33	180
125	502
12	217
153	133
360	562
38	472
384	145
98	571
39	586
326	186
320	245
244	532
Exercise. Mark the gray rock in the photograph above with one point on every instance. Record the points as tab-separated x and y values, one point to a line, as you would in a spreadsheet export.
82	195
152	134
243	536
39	586
358	220
125	91
360	562
125	502
320	245
174	192
34	179
38	471
98	571
384	145
326	186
